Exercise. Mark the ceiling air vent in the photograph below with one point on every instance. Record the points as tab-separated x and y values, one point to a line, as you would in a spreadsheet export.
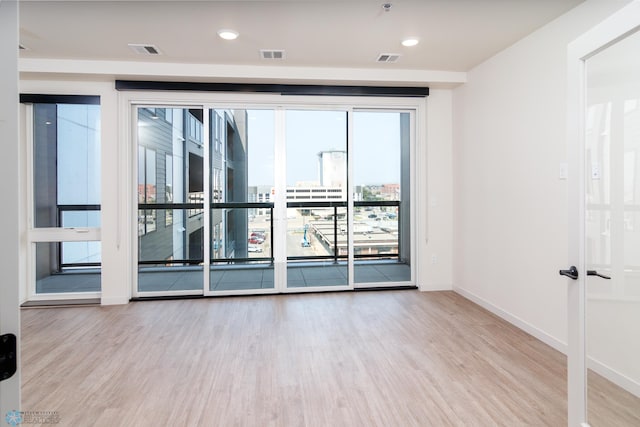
144	49
388	57
271	54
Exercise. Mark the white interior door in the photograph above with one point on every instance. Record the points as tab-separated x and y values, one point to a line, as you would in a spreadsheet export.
604	314
612	238
9	173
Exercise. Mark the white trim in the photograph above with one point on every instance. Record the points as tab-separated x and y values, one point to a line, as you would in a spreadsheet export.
279	217
64	234
514	320
350	194
47	234
576	349
414	184
206	187
28	167
12	221
129	140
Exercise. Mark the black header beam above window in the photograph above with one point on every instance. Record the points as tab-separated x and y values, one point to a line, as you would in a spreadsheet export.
28	98
282	89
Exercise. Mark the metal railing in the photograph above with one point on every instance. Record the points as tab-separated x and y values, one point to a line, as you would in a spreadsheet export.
332	241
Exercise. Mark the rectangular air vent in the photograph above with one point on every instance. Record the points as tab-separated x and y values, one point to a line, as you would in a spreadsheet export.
388	57
271	54
144	49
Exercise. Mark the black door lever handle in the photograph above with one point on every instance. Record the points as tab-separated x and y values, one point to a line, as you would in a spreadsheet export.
595	273
572	272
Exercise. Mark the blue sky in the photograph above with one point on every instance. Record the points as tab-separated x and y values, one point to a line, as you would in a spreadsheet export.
376	145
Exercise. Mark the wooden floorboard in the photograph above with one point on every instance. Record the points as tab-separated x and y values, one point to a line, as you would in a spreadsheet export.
391	358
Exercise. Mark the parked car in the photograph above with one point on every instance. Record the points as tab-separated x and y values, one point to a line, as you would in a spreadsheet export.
255	248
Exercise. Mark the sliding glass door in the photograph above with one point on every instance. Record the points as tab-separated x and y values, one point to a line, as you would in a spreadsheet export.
262	200
382	197
316	177
170	199
241	186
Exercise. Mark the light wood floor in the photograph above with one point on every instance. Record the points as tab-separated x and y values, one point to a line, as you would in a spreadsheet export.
400	358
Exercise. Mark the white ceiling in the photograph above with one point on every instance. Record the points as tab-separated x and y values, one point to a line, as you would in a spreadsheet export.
455	35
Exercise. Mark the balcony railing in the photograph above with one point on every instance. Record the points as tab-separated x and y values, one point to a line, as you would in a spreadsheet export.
376	233
328	232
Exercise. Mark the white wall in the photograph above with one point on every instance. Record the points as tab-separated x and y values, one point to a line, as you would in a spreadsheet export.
436	248
510	207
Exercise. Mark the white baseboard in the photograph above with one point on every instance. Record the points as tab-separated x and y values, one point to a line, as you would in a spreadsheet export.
612	375
615	377
434	287
514	320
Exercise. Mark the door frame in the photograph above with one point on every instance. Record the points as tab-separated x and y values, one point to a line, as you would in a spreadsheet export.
11	219
59	234
130	100
615	28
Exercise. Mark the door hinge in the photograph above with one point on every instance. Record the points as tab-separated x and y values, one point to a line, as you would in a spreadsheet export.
8	356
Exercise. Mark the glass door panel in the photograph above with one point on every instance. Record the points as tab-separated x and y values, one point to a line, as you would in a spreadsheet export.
613	234
316	188
381	223
242	185
170	200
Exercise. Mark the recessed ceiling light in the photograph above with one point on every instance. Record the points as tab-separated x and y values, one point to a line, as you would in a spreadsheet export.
228	34
411	41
